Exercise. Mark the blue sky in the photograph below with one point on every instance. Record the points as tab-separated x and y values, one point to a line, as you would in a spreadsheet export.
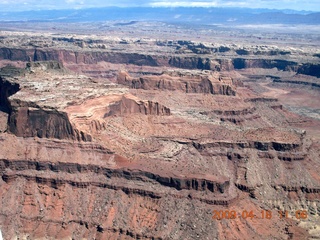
19	5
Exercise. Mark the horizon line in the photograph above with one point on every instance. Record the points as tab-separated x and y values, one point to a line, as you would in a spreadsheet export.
170	7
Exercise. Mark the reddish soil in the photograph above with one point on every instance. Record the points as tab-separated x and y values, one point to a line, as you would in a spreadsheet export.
151	152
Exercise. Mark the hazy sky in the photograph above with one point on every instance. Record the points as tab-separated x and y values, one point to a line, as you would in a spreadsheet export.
17	5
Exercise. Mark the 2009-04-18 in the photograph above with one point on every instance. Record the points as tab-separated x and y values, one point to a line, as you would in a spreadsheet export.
263	214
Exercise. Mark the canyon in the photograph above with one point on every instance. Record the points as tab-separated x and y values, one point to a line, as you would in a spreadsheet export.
144	138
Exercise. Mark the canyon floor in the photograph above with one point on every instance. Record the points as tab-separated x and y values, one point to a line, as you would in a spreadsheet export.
121	132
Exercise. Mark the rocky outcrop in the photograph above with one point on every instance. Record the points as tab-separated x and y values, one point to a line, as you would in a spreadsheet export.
44	66
76	57
212	184
180	82
293	156
179	61
258	145
34	121
244	111
7	89
27	119
14	54
108	209
130	106
261	99
92	115
216	64
310	69
235	116
294	83
239	120
31	116
242	63
292	192
192	63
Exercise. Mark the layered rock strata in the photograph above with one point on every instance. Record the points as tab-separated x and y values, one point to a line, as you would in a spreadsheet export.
188	83
135	156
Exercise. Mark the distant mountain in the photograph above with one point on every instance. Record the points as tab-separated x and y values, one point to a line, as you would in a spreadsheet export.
174	15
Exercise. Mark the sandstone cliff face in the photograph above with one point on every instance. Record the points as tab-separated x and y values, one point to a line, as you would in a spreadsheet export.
93	114
211	183
310	69
130	106
75	56
96	198
6	90
25	121
241	63
68	192
187	84
44	66
192	62
292	83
